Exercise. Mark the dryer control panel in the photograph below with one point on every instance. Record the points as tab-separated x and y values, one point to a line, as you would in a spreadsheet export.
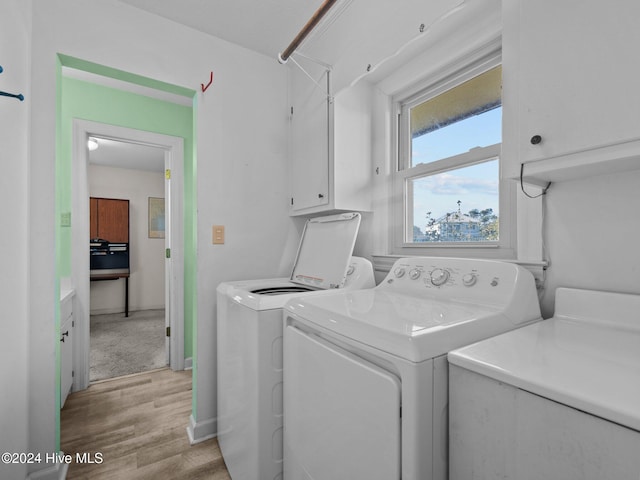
482	281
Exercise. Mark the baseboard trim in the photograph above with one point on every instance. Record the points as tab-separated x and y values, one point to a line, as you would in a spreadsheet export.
188	363
112	311
201	431
54	472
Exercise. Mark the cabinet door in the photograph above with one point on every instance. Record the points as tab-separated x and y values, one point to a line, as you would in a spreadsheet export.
113	220
310	138
339	407
570	76
66	358
93	217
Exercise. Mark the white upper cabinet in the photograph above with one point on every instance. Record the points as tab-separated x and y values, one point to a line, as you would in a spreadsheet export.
358	42
571	91
330	144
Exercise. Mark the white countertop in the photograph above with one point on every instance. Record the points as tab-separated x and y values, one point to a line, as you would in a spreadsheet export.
591	366
66	289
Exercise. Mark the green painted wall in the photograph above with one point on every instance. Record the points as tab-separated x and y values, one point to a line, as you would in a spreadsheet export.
97	103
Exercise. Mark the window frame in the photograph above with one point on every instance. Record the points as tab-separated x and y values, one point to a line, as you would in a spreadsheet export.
402	172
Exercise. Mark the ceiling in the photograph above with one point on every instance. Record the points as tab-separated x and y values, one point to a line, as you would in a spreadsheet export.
112	153
265	26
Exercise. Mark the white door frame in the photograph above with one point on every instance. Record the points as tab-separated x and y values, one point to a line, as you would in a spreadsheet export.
174	227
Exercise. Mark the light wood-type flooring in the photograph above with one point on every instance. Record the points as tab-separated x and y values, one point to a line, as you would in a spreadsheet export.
138	425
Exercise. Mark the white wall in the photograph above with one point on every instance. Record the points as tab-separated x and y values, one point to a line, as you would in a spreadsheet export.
241	169
146	255
592	231
15	31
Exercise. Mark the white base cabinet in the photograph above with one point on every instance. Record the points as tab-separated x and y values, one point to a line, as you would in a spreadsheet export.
66	347
497	431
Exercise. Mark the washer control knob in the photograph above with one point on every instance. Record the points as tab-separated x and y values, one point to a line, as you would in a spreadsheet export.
399	272
414	274
469	279
350	270
439	276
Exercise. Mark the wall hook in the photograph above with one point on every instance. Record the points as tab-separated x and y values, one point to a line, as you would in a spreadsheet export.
19	96
204	88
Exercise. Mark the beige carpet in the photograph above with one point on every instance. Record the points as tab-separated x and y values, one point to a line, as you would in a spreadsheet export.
123	345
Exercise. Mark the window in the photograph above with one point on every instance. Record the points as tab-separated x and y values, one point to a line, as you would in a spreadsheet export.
467	116
448	184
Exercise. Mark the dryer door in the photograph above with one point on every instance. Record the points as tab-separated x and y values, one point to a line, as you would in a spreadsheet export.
342	413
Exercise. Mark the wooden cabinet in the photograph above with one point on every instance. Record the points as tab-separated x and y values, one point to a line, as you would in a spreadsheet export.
330	145
109	219
570	77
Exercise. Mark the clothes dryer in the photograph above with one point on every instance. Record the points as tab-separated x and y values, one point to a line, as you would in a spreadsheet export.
365	372
249	342
558	399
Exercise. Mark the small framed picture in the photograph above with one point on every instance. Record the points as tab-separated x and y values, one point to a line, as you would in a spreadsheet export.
156	217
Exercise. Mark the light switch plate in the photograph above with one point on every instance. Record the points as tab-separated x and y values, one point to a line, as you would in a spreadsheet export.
65	219
218	234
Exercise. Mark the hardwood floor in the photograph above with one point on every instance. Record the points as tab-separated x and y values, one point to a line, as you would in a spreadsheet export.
138	425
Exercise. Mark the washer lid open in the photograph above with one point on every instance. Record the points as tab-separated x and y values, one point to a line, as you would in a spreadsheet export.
325	250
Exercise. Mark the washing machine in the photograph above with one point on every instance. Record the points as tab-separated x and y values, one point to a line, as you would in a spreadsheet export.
365	372
249	342
558	399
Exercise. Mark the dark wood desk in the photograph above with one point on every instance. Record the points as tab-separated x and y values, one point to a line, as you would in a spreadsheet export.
96	277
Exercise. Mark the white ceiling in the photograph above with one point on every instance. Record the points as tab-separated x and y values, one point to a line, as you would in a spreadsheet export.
265	26
112	153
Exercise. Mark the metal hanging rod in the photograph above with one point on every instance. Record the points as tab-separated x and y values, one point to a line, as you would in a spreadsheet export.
306	30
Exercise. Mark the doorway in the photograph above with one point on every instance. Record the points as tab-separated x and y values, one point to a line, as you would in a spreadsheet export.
128	318
171	149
